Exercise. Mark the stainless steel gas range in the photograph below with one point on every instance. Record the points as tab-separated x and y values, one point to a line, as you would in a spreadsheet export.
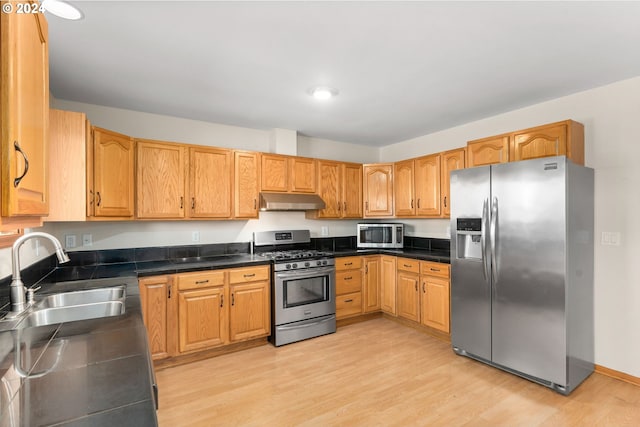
303	297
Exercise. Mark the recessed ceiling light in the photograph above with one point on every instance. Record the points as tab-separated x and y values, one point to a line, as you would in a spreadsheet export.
62	9
323	92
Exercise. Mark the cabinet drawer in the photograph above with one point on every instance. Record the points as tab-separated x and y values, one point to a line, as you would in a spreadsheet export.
200	280
348	282
349	304
348	263
434	269
249	274
411	265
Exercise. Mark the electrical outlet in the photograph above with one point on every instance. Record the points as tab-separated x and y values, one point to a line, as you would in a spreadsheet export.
87	240
195	236
324	231
70	240
610	238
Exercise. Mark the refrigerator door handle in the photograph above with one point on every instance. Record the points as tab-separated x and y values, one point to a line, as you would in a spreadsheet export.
483	239
493	238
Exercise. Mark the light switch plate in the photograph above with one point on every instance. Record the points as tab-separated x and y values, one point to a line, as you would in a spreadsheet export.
87	240
70	241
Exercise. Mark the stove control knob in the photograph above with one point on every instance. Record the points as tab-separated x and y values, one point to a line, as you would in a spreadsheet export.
288	266
294	266
324	262
307	264
318	262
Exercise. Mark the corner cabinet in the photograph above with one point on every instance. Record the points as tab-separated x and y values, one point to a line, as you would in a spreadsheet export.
111	159
378	190
388	290
24	118
371	284
451	160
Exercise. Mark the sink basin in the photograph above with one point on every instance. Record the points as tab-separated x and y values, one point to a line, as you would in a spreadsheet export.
90	296
71	313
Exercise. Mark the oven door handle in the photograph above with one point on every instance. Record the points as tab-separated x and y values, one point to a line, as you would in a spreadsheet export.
306	325
300	274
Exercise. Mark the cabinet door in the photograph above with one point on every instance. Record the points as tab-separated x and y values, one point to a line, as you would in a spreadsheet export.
408	296
427	182
155	294
274	173
302	175
67	166
372	276
329	188
210	182
246	184
24	114
352	190
488	151
403	173
160	176
202	319
249	314
451	160
113	173
378	190
388	284
435	303
540	142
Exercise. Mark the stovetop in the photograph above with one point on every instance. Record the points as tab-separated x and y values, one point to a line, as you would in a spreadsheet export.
295	254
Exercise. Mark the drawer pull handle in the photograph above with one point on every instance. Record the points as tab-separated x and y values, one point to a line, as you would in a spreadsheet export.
434	269
169	292
233	300
423	289
201	282
221	300
416	286
407	266
17	180
348	300
246	276
348	263
348	278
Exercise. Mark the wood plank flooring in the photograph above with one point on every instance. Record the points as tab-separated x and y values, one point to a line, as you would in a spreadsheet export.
377	373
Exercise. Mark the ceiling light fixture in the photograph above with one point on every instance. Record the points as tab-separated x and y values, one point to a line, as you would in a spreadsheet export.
62	9
323	92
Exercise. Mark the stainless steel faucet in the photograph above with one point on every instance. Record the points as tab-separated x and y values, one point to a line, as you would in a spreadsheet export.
18	290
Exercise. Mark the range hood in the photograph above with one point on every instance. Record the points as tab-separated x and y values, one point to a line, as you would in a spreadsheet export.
290	202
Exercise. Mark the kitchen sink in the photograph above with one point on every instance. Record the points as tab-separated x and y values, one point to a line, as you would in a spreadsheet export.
90	296
71	313
69	307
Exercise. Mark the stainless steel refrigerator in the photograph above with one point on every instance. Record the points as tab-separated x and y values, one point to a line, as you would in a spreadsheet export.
522	269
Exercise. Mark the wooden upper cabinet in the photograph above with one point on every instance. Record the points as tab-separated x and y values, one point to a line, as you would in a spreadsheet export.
210	182
451	160
24	114
378	189
555	139
246	172
68	136
274	173
287	174
404	189
113	174
352	190
340	186
160	174
488	151
302	175
427	185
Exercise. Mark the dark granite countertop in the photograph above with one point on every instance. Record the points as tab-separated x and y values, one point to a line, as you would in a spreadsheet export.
420	254
91	373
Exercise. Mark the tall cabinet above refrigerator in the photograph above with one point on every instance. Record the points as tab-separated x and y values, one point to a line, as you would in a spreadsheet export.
522	269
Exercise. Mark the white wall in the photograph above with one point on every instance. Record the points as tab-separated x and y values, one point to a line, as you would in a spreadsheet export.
611	116
333	150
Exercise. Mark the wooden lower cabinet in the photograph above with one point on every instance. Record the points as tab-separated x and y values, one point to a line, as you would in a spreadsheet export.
408	296
157	299
371	284
190	312
348	286
388	284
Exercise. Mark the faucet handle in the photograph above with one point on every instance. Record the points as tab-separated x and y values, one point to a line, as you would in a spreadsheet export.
30	294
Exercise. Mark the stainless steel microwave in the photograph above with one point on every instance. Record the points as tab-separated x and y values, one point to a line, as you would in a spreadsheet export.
376	235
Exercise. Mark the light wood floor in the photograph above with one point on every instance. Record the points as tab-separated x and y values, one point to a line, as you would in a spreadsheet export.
377	373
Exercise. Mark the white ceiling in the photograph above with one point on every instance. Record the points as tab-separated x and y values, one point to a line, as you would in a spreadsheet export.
403	69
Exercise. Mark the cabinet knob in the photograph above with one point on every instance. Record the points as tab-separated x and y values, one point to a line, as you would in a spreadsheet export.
99	198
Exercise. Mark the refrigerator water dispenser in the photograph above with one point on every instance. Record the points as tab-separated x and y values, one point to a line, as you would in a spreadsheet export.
468	235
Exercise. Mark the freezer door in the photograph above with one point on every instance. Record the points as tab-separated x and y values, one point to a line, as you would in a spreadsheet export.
470	276
528	215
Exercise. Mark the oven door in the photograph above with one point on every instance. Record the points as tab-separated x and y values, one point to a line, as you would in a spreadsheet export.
304	294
